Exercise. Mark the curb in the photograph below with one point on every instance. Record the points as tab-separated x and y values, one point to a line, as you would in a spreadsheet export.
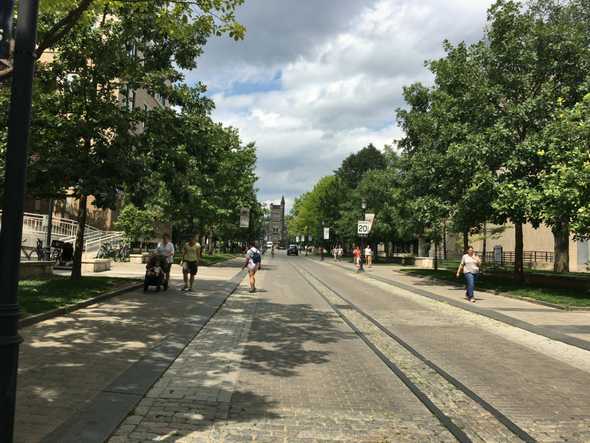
60	312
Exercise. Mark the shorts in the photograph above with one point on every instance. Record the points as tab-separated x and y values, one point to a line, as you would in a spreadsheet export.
252	267
190	267
166	267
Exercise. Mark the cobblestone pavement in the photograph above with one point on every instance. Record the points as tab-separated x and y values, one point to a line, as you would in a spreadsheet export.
477	423
540	391
66	361
275	366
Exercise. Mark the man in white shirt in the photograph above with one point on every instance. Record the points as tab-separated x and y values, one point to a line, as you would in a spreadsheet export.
166	250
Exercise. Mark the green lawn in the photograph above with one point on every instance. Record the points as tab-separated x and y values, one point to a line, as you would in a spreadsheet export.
502	285
36	296
208	260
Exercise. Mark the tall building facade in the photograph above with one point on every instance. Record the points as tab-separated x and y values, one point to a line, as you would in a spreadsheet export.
277	227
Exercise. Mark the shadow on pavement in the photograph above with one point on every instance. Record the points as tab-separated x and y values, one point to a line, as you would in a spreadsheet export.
67	361
281	339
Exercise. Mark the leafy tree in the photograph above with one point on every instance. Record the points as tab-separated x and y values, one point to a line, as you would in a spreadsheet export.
564	186
138	224
536	56
194	20
356	165
87	123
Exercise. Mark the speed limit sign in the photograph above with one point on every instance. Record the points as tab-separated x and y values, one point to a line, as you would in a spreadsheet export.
363	227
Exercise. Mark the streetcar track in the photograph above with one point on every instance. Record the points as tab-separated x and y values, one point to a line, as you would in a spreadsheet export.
443	418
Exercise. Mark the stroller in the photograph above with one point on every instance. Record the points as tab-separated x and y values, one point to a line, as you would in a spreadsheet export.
155	273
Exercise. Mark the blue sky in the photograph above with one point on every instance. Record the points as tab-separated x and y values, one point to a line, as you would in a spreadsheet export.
316	80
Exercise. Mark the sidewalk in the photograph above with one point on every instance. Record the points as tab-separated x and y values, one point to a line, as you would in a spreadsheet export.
571	327
128	341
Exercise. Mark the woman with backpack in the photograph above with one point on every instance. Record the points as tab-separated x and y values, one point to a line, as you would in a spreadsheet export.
253	263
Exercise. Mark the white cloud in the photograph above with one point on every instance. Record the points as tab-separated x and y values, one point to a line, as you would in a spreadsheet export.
342	73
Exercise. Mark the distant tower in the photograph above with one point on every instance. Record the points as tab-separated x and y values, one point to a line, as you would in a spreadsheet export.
277	224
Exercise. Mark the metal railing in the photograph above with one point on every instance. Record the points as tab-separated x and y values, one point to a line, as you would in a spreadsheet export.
66	230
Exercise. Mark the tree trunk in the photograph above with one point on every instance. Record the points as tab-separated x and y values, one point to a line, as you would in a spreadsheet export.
77	264
518	252
561	236
465	240
445	249
436	255
484	251
211	246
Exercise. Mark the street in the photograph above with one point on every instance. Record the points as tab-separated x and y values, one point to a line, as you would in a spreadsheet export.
322	354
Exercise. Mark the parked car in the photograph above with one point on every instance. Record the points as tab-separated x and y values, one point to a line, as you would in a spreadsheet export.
292	250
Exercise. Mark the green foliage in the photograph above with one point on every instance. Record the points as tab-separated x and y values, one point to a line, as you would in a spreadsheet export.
138	224
355	166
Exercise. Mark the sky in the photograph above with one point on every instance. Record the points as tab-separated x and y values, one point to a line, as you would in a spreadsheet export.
316	80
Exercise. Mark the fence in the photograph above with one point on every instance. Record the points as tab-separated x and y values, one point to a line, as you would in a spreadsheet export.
508	257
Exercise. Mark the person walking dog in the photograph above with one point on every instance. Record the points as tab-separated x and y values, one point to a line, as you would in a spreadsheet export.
470	264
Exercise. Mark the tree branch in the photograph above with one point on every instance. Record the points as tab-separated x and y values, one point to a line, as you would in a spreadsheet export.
62	27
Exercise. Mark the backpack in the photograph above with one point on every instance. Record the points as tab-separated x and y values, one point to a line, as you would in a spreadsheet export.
256	257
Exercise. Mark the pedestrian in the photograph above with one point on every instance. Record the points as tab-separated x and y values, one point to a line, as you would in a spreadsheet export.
191	254
253	263
356	253
470	263
340	252
369	255
166	249
335	253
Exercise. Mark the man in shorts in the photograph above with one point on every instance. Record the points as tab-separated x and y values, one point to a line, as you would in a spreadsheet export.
191	254
253	263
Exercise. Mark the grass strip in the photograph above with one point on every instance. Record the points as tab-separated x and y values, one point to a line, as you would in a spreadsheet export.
37	296
501	285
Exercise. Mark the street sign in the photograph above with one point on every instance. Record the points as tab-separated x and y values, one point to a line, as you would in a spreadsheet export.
363	228
326	233
297	239
244	218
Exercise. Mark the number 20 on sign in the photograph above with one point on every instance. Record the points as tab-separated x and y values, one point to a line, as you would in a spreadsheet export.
363	227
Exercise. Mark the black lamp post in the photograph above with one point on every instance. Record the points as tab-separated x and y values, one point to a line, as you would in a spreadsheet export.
19	122
362	259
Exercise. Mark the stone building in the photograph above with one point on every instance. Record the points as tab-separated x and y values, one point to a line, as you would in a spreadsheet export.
276	230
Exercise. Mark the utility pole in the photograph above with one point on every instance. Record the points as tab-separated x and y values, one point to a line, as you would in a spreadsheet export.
362	257
19	122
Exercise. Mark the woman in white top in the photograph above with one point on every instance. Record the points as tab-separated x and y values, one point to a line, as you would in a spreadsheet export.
369	255
470	266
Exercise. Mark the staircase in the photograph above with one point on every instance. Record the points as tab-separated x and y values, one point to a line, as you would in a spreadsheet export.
63	229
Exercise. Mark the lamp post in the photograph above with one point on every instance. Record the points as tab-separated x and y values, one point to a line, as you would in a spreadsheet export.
19	122
322	242
362	263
